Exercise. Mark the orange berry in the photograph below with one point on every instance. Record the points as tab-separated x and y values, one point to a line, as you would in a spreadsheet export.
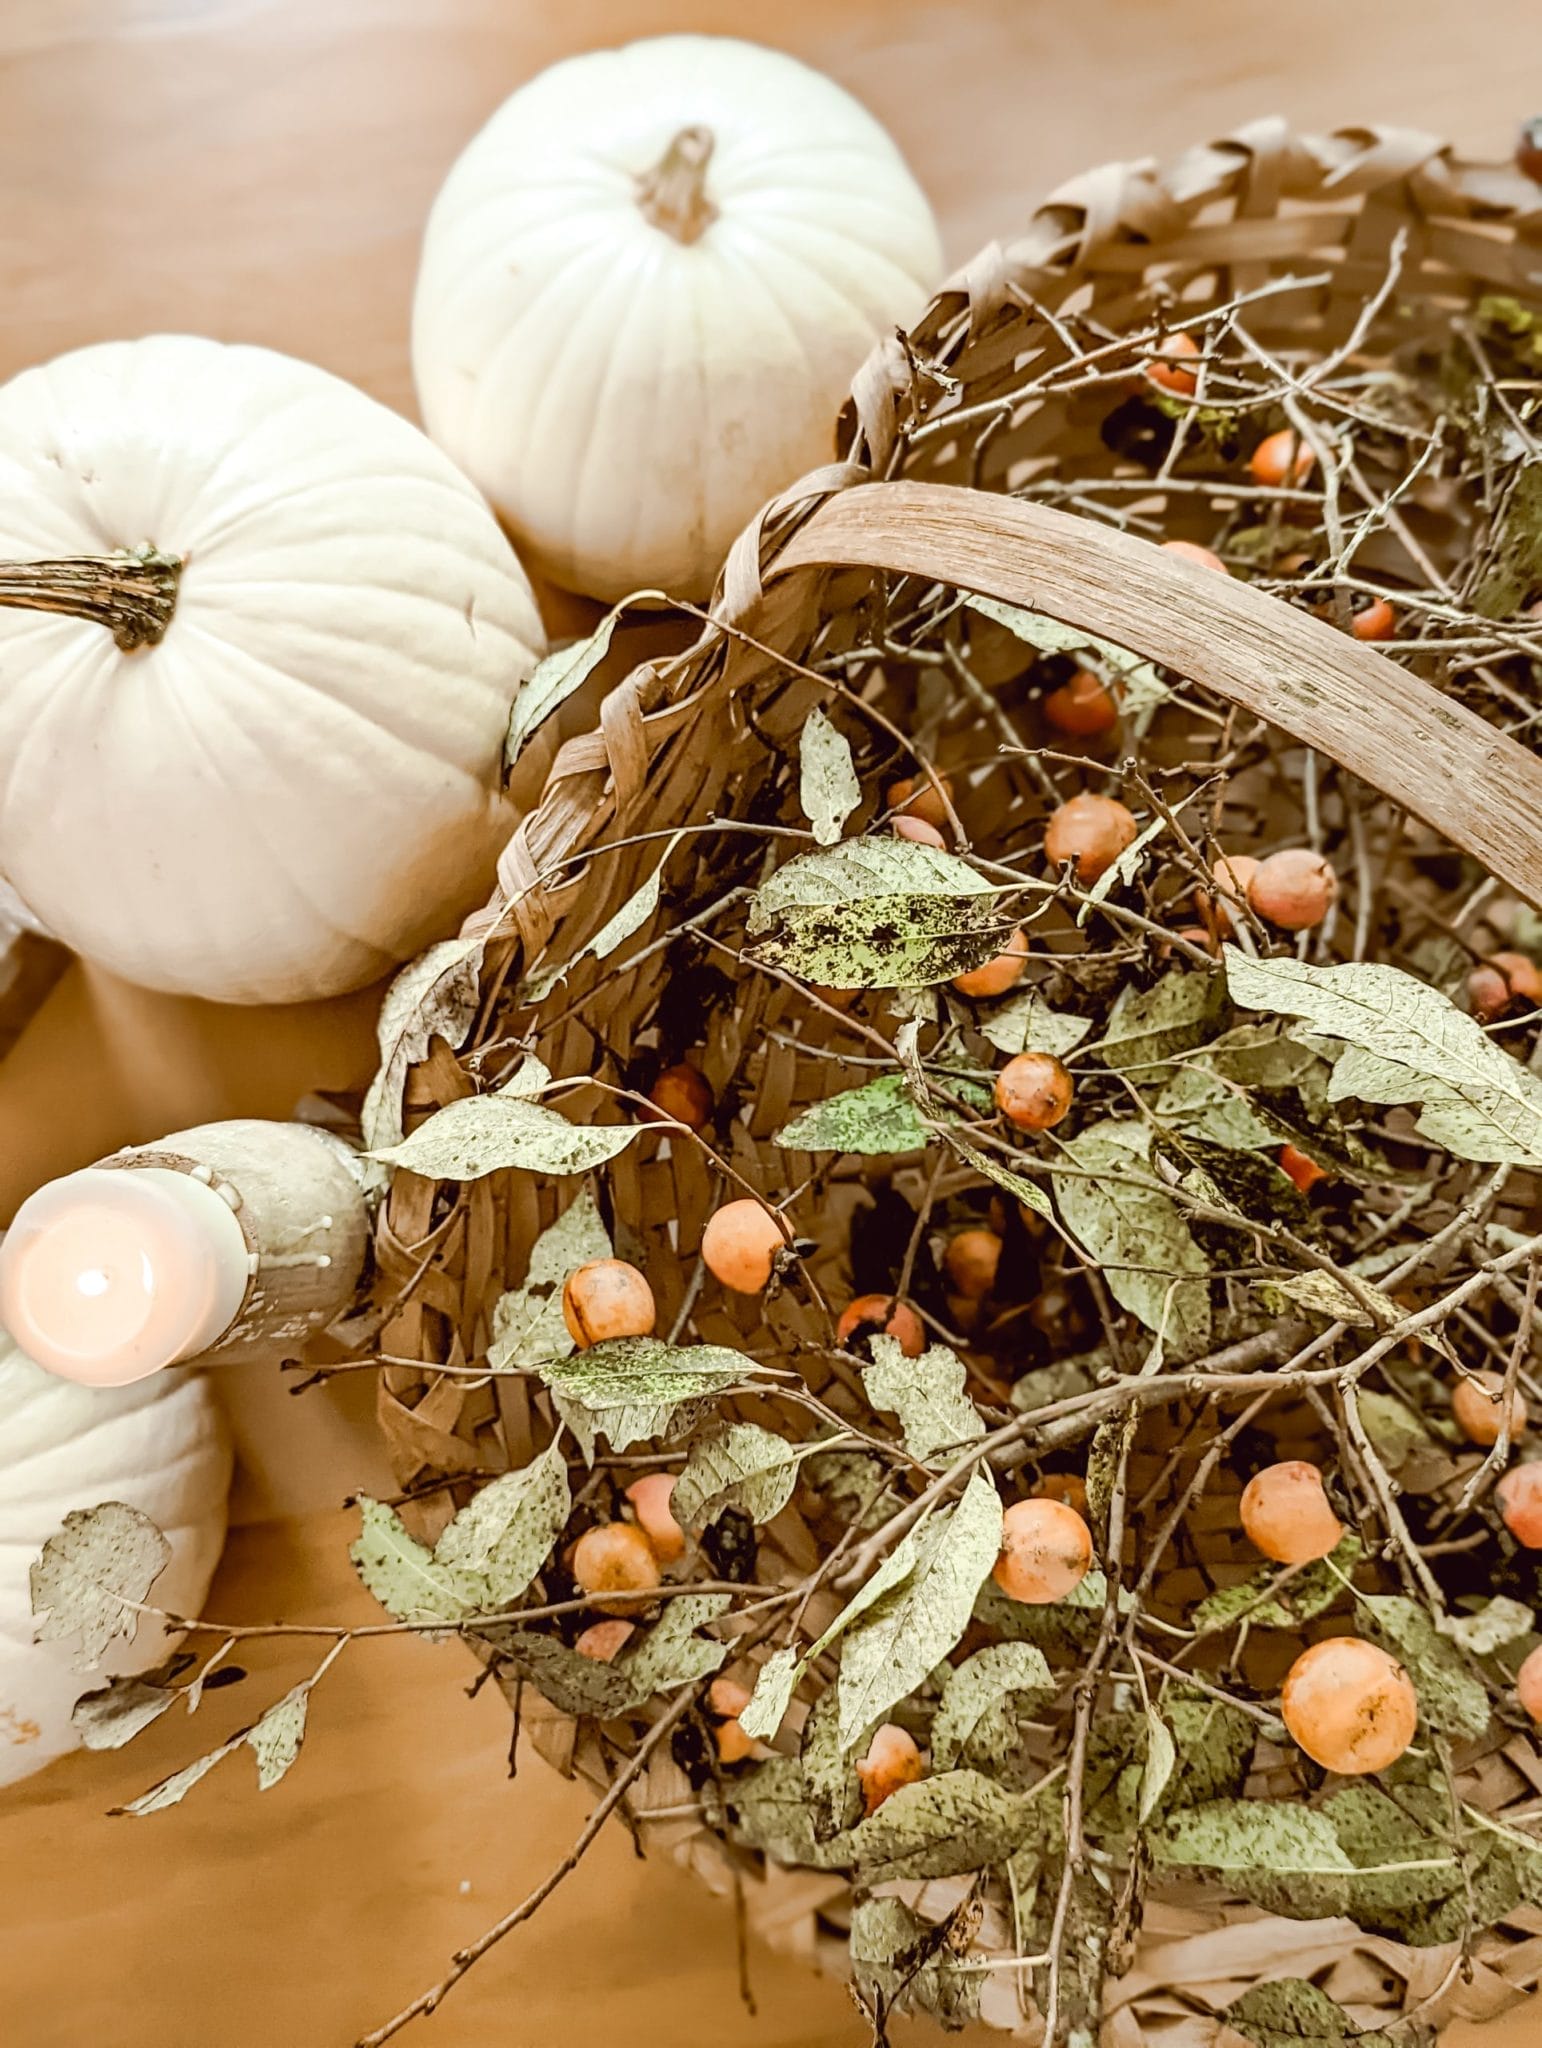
999	974
1191	551
1285	1513
1281	458
650	1503
1306	1173
605	1299
1528	1684
1350	1706
919	797
837	998
873	1314
919	829
1477	1406
1528	151
1046	1551
727	1696
727	1699
892	1760
1169	367
1375	620
1197	935
1293	889
1083	707
1090	830
1523	975
682	1093
970	1261
1033	1091
740	1243
1520	1503
1489	993
1069	1487
615	1557
601	1640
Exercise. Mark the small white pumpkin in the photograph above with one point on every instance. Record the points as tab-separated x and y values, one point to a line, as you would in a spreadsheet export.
160	1446
645	287
292	781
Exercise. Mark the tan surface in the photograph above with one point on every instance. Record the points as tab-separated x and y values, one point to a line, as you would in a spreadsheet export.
259	169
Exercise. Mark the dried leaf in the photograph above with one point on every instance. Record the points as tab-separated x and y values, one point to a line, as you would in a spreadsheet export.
632	915
876	913
1392	1426
830	1779
1215	1744
485	1134
920	1555
1200	1103
1026	1023
275	1739
960	1820
862	871
1496	1624
896	1956
528	1324
93	1574
115	1714
769	1809
403	1574
572	1684
1147	1026
1233	1838
739	1465
1156	1772
632	1389
889	1649
1123	1228
434	996
553	680
176	1788
670	1654
1409	1043
1288	2012
974	1723
1362	1308
828	787
1451	1698
507	1531
1016	1184
927	1394
1263	1603
1121	871
772	1694
880	1116
884	941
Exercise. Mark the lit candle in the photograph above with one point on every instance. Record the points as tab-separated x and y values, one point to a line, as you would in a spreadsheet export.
232	1240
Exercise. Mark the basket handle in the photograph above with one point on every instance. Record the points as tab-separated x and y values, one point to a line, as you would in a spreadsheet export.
1478	788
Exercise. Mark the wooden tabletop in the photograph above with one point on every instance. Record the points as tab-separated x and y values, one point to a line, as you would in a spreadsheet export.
260	170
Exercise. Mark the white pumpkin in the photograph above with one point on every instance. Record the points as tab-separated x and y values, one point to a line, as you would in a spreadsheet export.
297	784
160	1446
644	290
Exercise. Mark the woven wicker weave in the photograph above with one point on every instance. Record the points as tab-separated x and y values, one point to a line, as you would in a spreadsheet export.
934	442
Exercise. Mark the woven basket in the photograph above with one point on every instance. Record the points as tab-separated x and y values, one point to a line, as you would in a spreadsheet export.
937	437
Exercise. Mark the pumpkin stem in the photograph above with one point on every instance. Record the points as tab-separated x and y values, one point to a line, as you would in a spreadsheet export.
132	595
673	195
